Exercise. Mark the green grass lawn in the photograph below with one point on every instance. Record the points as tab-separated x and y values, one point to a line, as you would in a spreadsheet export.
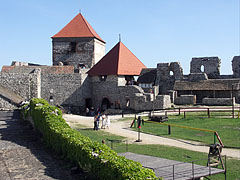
227	128
233	165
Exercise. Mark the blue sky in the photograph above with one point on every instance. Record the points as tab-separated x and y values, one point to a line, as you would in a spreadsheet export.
155	30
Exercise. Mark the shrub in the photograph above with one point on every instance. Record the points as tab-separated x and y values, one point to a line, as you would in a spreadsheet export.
93	157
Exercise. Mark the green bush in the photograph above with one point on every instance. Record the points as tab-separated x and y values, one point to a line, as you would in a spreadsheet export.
93	157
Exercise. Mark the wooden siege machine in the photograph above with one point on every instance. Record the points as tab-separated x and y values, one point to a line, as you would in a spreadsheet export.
214	155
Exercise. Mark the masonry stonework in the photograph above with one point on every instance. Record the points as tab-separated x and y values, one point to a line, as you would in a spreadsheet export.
18	83
123	96
218	101
208	65
77	51
236	66
165	79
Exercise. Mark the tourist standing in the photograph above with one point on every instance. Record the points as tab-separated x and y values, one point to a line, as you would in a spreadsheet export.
107	121
98	119
103	121
95	122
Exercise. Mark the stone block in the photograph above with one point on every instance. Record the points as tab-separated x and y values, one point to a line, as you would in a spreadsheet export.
197	77
218	101
185	100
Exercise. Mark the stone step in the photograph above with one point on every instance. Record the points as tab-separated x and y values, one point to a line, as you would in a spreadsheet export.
10	114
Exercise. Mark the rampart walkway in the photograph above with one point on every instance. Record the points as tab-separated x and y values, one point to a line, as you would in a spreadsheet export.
22	155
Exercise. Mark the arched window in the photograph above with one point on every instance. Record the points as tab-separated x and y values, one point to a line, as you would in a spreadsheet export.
105	104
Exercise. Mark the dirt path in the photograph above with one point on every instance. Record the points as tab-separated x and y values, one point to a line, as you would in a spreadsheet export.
122	128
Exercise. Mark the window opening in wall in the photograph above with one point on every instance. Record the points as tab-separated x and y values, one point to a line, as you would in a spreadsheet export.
88	103
73	46
82	66
202	68
103	77
105	104
130	80
171	73
128	103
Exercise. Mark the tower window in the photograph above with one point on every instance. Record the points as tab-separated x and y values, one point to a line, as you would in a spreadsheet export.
73	46
103	77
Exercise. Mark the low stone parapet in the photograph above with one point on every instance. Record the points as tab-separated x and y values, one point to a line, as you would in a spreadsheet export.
218	101
185	100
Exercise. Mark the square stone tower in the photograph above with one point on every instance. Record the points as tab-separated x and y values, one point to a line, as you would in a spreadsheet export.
77	44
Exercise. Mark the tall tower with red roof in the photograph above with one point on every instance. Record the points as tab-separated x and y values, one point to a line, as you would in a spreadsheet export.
77	44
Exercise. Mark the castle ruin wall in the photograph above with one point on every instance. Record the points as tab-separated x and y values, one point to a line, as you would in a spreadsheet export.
208	65
236	66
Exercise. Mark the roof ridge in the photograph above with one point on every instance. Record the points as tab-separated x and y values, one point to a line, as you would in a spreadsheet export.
133	54
78	27
85	21
90	28
119	44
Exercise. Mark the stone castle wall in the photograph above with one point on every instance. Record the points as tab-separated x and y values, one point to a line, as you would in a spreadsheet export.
99	51
68	90
18	83
124	96
75	51
6	104
236	66
218	101
208	65
165	79
59	87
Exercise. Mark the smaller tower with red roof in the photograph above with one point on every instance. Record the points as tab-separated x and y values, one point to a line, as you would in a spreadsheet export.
112	78
77	44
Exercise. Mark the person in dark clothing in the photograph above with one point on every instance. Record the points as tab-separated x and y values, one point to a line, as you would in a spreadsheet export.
95	122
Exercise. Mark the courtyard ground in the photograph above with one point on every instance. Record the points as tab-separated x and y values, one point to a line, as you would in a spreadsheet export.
122	128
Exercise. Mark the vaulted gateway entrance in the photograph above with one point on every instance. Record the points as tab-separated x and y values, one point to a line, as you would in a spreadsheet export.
105	104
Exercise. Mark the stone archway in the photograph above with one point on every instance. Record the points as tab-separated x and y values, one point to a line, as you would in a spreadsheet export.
105	104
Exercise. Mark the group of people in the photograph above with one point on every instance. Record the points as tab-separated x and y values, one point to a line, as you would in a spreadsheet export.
101	118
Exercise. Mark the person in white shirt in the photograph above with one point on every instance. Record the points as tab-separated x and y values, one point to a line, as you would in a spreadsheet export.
107	121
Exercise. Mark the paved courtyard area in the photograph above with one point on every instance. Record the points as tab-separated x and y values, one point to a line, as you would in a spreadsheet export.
24	157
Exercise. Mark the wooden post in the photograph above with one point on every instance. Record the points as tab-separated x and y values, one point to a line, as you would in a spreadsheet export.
184	112
214	138
208	112
169	130
232	103
165	113
179	111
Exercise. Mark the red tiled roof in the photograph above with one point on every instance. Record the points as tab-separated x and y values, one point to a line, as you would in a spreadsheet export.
118	61
78	27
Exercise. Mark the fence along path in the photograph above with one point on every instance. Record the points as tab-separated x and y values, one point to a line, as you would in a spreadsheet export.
121	128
